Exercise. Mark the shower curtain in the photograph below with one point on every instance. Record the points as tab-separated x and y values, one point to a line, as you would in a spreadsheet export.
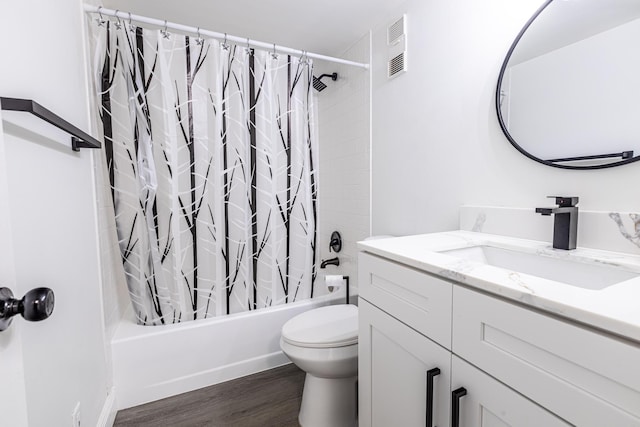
211	154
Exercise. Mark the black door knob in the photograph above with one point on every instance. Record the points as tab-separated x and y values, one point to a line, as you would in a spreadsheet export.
36	305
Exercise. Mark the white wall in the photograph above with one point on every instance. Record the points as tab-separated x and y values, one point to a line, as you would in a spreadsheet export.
344	147
436	140
49	217
581	99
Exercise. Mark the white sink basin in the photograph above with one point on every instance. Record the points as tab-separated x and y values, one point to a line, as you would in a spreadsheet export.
571	272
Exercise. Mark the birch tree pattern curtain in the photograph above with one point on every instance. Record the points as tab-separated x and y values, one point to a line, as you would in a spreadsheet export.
211	154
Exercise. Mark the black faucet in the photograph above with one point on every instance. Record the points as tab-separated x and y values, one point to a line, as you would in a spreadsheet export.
565	225
333	261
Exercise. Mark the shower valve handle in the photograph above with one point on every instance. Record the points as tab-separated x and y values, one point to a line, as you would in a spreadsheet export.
335	243
36	305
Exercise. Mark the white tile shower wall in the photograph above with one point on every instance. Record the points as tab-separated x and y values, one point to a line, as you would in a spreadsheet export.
612	231
345	153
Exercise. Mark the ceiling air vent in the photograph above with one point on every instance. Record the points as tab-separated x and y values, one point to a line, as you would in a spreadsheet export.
397	47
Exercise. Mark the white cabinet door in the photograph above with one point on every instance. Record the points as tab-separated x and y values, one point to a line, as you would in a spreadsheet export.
489	403
393	364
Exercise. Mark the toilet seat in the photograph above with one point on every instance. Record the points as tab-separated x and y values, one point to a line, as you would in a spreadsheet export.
325	327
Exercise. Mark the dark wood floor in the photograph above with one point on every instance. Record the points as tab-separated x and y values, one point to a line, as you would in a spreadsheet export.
269	398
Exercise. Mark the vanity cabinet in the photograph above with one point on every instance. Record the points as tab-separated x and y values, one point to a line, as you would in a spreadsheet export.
404	378
519	367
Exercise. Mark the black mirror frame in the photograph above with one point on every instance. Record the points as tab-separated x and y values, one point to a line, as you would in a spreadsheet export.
504	127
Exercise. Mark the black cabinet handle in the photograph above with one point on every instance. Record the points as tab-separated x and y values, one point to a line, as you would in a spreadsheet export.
430	374
455	405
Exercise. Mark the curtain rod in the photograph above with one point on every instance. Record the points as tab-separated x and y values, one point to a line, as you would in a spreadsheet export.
126	16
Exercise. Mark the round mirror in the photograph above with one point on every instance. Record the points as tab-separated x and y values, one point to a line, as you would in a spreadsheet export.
568	92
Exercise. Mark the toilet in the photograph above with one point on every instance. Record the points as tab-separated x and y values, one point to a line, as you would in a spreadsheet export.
323	342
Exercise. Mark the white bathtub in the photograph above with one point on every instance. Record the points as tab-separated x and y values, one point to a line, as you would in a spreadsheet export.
154	362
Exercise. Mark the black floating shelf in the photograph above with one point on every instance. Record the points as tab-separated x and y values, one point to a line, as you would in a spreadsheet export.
79	138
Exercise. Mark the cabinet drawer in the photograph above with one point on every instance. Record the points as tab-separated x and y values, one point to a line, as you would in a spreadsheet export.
418	299
584	377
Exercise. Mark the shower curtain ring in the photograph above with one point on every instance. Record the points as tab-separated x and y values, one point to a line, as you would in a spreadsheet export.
101	21
118	22
225	46
165	33
303	57
199	40
132	27
248	48
274	55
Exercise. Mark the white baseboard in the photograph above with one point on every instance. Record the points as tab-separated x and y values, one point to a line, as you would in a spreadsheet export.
108	413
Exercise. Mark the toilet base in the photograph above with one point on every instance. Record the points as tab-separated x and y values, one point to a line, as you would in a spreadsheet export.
329	402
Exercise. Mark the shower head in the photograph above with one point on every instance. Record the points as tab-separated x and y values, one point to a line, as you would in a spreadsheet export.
318	85
317	81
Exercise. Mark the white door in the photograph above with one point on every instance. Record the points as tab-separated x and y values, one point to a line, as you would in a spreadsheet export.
489	403
393	364
48	237
13	398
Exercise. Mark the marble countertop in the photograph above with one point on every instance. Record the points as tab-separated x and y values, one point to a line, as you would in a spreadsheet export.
615	309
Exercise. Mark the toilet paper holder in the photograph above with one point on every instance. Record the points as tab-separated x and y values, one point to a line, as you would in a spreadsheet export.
345	279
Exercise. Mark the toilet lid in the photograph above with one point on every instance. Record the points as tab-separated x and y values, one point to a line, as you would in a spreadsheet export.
332	326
